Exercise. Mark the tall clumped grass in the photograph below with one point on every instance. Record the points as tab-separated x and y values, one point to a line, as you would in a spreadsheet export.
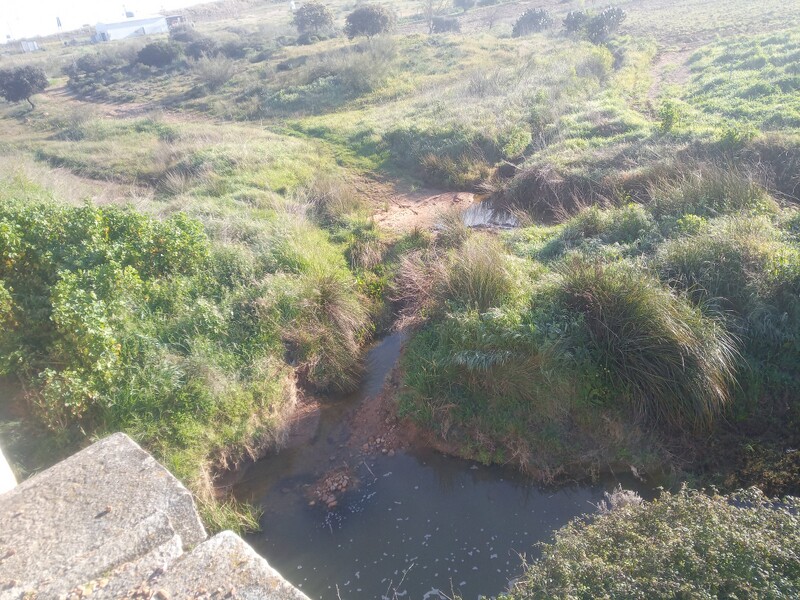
452	230
329	199
709	192
328	330
744	266
671	363
213	71
477	276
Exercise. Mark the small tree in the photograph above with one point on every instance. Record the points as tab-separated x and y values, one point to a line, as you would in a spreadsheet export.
575	21
532	21
313	17
603	25
21	83
369	20
431	9
158	54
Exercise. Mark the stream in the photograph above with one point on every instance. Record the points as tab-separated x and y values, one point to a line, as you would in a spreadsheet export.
419	525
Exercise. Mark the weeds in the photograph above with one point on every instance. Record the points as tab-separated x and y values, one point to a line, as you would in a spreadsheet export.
213	71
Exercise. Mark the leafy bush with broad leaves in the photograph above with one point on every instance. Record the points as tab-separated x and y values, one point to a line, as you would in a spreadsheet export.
75	277
708	546
313	17
369	21
21	83
159	54
532	21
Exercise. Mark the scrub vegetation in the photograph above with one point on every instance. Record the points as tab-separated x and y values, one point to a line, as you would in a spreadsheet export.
190	236
709	546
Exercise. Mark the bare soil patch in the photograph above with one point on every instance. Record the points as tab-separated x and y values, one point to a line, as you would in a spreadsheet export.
397	208
670	68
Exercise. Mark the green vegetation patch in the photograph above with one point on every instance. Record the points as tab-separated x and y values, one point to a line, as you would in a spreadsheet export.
686	544
671	316
115	320
752	80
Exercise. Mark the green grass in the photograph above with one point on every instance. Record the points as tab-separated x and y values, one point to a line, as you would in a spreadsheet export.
176	331
672	316
749	80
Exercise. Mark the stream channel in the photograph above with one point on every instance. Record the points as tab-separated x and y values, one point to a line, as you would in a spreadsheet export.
418	526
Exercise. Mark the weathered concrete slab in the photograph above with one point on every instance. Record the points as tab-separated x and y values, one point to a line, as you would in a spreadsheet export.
89	514
110	522
221	567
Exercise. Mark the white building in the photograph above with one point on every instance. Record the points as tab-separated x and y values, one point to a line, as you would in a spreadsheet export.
135	27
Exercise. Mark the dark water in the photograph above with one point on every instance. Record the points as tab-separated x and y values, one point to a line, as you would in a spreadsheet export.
419	525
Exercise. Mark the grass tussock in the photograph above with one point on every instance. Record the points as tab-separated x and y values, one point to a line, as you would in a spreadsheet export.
477	275
328	331
672	364
709	192
329	200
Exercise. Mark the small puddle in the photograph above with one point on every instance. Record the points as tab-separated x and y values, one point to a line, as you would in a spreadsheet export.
481	214
419	525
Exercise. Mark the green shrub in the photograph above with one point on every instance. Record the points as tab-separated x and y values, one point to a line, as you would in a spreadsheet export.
369	21
708	546
445	25
21	83
313	17
158	54
575	21
608	21
199	47
532	20
117	321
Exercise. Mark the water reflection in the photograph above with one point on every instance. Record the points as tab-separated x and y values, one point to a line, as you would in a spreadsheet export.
457	526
